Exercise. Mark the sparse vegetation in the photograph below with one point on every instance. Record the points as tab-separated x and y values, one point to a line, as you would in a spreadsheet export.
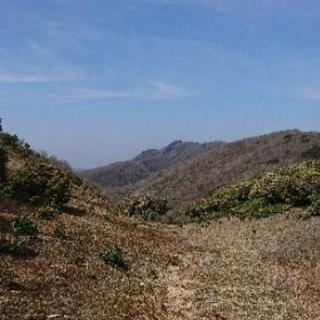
288	137
273	192
39	183
60	231
312	153
314	209
146	206
47	212
113	256
3	163
10	140
15	247
195	272
25	227
226	164
147	163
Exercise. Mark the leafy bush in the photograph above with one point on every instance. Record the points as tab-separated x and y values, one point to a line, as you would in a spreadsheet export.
40	183
314	209
305	138
147	207
113	256
25	227
60	231
47	212
273	192
312	153
13	247
3	162
288	137
9	140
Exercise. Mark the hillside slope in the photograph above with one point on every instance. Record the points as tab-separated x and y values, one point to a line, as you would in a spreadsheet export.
228	163
84	263
293	186
150	161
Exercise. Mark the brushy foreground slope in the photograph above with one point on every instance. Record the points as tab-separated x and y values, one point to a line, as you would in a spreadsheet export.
229	163
293	186
263	269
82	262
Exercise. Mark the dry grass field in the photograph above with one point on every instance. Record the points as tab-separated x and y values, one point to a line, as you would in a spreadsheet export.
227	269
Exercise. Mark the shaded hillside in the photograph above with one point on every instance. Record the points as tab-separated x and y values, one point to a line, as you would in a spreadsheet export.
148	162
229	163
32	179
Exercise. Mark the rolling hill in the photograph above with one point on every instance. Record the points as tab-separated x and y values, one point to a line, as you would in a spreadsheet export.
227	164
148	162
65	255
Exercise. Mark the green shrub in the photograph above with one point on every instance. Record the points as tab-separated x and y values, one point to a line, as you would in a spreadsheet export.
314	209
24	227
312	153
60	232
3	162
288	137
40	183
9	140
113	256
271	193
13	247
305	138
147	207
47	212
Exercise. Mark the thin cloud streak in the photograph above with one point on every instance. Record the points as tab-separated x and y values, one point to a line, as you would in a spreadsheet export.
306	8
20	78
311	94
155	91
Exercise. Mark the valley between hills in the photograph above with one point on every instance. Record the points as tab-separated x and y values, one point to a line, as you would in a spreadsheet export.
208	231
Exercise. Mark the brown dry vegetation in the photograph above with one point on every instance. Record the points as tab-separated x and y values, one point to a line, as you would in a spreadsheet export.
228	269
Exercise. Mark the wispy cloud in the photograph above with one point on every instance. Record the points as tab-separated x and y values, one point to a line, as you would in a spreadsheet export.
57	72
310	94
36	78
156	91
246	8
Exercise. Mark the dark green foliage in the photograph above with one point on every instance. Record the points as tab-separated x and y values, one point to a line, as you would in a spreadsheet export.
13	247
9	140
3	162
305	138
60	232
47	212
314	209
113	256
146	207
40	183
288	137
274	192
4	273
25	227
27	145
312	153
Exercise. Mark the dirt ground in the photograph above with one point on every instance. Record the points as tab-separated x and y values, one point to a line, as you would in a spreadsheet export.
228	269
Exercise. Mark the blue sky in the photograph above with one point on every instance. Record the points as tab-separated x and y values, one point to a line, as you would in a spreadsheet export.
98	81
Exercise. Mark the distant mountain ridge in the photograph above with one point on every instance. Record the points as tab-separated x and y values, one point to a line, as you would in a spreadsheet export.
229	163
148	162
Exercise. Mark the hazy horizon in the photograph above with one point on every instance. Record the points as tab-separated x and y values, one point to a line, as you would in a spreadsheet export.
97	82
